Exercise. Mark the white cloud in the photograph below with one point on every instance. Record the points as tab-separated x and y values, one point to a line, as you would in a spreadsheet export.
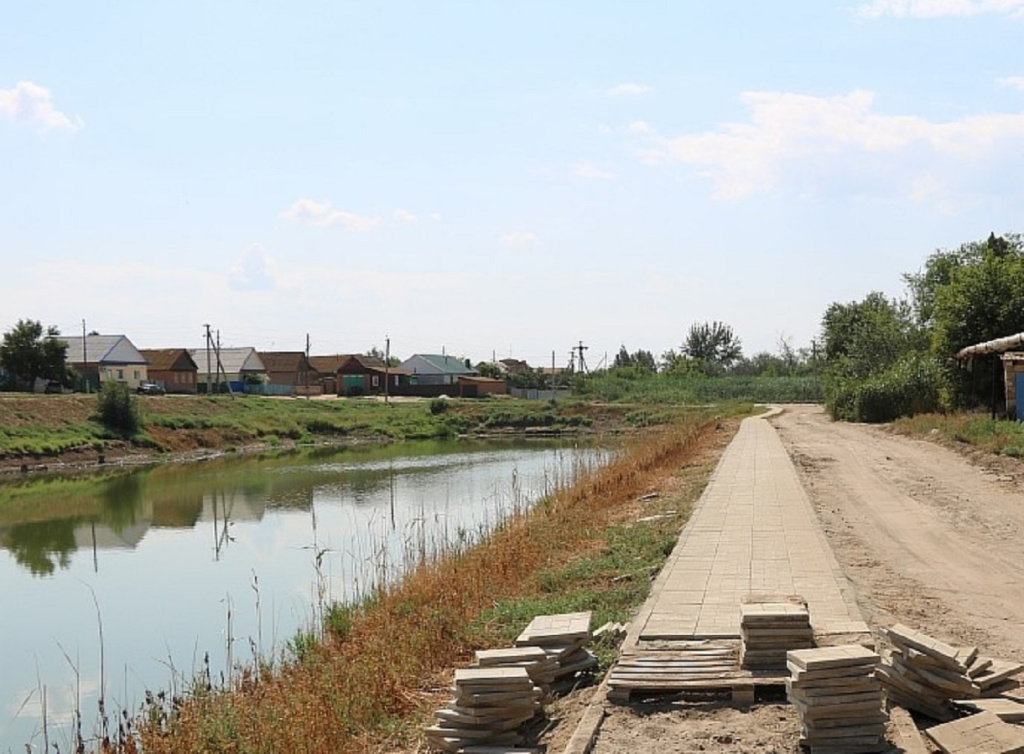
807	142
404	216
518	239
323	214
639	127
628	90
1012	82
33	104
939	8
589	171
254	270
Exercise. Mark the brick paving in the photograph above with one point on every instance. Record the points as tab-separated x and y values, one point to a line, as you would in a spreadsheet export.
753	532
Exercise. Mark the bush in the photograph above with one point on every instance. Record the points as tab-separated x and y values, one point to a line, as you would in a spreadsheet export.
438	406
913	385
118	409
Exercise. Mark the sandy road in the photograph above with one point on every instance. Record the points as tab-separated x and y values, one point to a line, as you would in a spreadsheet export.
927	536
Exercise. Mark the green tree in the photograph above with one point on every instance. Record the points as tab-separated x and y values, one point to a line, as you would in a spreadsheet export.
982	300
940	267
118	409
713	345
866	337
30	352
640	359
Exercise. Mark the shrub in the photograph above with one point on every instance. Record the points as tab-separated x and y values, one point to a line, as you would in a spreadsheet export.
118	409
913	385
438	406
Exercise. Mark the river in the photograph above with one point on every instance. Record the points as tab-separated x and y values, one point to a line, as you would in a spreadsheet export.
114	585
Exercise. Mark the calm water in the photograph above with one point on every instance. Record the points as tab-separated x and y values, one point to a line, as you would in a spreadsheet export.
226	557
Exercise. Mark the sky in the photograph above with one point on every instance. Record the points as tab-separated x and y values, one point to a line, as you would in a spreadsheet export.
494	179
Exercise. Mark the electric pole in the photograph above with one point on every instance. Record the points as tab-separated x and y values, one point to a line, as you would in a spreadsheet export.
209	379
583	364
387	367
85	361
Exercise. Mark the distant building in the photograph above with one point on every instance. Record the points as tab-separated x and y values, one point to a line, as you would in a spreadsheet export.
173	368
106	358
357	374
436	369
238	367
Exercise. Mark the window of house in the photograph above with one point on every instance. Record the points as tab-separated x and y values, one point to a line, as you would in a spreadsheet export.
135	374
120	374
375	380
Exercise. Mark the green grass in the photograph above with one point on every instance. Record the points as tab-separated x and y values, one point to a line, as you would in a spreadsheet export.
695	389
995	436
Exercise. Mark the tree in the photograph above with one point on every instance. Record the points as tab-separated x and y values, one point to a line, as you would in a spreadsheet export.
862	338
713	345
29	353
641	360
940	268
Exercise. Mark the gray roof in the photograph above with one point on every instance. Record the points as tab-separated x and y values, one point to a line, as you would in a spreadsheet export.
101	349
234	360
432	363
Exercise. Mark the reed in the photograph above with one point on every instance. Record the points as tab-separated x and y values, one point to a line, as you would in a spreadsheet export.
381	657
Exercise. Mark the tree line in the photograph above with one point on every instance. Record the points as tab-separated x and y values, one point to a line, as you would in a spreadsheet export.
890	357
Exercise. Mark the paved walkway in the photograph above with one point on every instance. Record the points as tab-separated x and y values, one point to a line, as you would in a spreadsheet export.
752	533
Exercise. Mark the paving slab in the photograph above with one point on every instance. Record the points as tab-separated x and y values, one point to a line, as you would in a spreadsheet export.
752	533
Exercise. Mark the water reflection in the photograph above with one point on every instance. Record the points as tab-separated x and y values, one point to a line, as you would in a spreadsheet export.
166	552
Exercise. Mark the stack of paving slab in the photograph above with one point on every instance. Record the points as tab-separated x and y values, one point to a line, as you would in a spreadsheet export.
541	667
563	638
489	706
924	674
978	734
769	630
839	699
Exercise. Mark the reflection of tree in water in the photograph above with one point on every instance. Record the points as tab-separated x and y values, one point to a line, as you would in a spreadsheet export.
42	546
122	497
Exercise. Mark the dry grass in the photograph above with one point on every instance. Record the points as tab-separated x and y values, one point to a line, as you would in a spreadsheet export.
352	692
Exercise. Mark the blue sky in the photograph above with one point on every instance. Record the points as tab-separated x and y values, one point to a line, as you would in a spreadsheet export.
494	177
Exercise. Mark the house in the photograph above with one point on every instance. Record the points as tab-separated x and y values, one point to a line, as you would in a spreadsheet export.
173	368
106	358
434	369
358	374
238	368
471	386
513	366
289	373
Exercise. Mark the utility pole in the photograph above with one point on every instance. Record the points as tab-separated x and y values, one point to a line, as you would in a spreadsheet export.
387	367
583	363
209	379
85	360
306	370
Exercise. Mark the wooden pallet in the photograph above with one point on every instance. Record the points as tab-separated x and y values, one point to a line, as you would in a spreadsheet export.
699	668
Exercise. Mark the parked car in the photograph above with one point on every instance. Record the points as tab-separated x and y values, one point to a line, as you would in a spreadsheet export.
147	387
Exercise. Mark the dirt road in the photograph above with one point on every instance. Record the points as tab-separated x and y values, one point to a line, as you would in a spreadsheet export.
928	538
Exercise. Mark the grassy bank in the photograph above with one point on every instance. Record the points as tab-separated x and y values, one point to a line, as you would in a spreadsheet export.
996	436
38	428
368	683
